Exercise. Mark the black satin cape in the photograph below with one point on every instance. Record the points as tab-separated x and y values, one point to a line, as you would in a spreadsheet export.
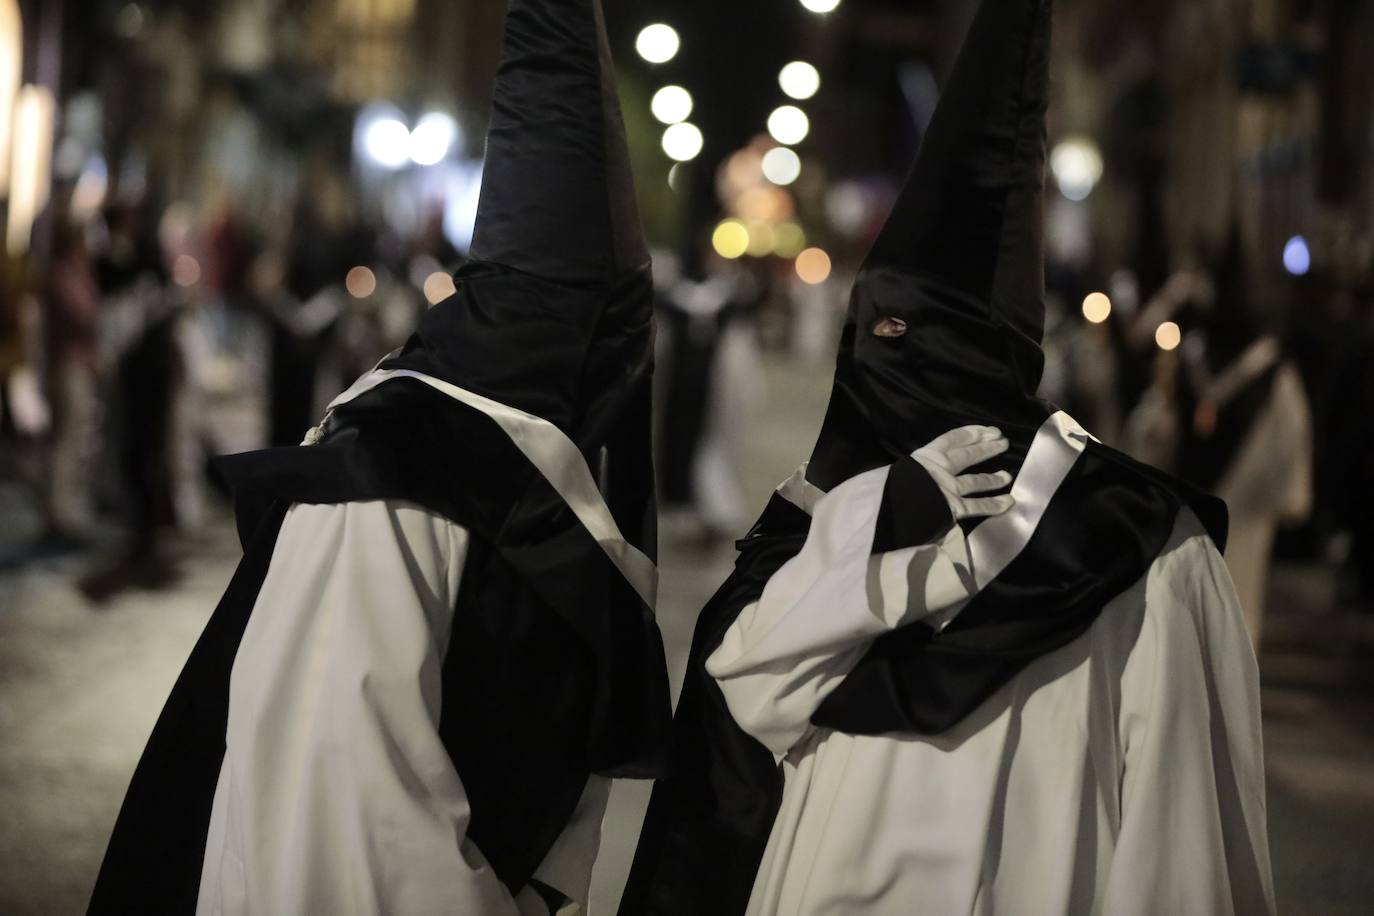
555	669
712	815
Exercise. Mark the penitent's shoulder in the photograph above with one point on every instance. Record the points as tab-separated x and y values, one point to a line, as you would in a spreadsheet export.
1189	593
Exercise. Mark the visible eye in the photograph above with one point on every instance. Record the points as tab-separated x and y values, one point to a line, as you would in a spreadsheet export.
889	327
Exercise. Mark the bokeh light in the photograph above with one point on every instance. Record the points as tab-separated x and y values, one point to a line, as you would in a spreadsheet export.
788	125
438	287
186	271
1077	166
432	138
387	142
760	240
731	239
658	43
781	165
672	104
789	240
1297	257
1168	336
800	80
1097	307
361	282
683	142
813	266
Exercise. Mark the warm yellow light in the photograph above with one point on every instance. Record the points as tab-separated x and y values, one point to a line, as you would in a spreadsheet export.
760	240
360	282
789	125
658	43
186	271
731	239
781	165
438	287
11	58
1097	307
813	266
800	80
1168	336
30	175
821	6
683	142
788	240
671	104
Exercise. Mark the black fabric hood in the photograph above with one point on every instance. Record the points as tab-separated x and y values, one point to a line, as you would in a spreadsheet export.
553	314
960	264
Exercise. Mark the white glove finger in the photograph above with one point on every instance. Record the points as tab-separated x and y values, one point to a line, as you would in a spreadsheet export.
958	438
985	507
982	483
961	459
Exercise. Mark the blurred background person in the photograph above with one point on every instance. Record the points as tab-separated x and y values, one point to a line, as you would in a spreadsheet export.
73	300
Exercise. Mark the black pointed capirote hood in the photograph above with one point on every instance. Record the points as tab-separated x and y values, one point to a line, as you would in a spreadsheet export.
971	214
558	198
959	264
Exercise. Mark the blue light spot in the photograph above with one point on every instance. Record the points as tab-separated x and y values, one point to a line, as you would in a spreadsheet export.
1297	258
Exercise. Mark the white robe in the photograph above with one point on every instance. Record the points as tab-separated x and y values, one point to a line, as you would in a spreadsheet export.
1268	484
336	795
1120	775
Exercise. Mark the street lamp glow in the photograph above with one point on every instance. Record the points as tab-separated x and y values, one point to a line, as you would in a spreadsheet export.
683	142
821	6
1168	336
672	104
781	165
387	142
731	239
813	266
800	80
432	138
361	282
1097	307
1077	166
658	43
788	125
1297	257
789	240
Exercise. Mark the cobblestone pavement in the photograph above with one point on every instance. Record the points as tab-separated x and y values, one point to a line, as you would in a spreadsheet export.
80	688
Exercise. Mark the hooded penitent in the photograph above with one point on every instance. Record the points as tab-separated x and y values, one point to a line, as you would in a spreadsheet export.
520	411
1228	382
943	330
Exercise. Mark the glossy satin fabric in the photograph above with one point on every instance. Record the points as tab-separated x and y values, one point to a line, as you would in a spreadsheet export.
563	662
970	216
1102	524
557	197
1099	533
1121	774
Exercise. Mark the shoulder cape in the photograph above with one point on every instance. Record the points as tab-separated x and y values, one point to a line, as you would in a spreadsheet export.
581	686
1103	524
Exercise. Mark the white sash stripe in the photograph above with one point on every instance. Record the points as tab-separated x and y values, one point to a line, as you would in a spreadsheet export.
555	457
994	544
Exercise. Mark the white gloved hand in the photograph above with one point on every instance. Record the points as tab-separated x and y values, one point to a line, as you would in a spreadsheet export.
948	457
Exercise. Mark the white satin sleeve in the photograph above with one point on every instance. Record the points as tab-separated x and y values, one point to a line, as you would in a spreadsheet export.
336	794
1193	836
819	613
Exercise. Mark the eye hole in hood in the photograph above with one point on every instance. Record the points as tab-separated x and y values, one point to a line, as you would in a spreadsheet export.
889	327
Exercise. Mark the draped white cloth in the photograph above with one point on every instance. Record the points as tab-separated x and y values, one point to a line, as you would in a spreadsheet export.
336	794
1122	774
